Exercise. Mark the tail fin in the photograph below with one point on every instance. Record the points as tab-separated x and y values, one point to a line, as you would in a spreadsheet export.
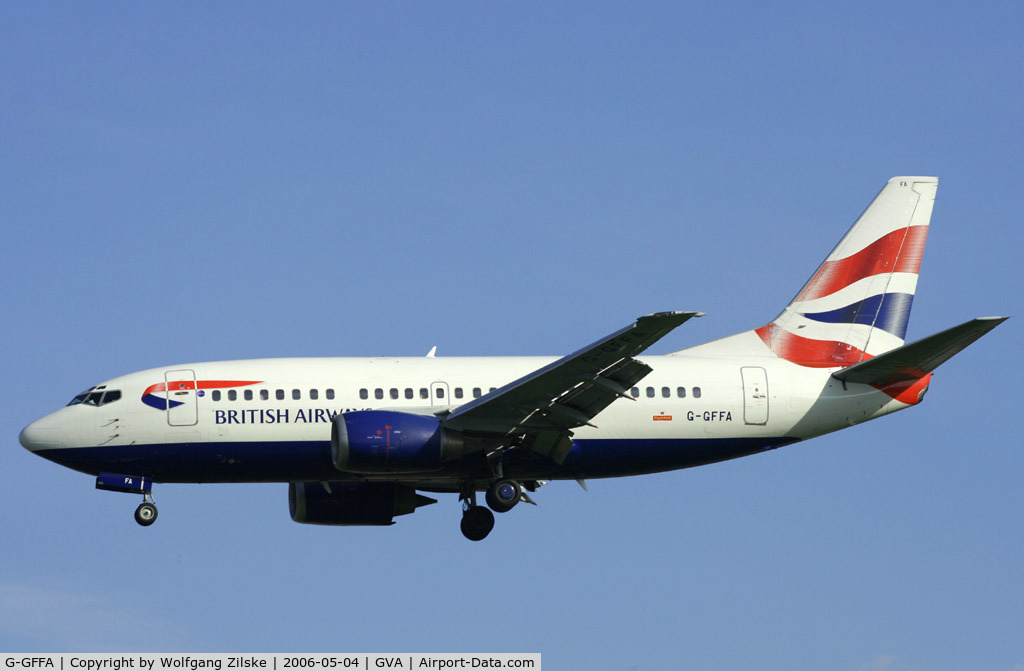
857	304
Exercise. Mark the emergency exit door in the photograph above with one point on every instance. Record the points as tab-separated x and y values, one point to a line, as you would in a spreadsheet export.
439	394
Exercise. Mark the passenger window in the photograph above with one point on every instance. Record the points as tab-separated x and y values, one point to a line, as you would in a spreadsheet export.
493	389
424	393
378	393
394	393
364	394
696	392
314	394
650	392
330	394
296	394
635	391
666	392
681	392
458	392
264	395
440	392
215	395
476	392
248	394
408	392
232	395
279	394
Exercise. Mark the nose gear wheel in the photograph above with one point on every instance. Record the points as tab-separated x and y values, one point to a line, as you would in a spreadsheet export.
146	513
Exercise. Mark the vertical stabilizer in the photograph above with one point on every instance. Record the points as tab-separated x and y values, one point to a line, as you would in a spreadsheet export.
857	304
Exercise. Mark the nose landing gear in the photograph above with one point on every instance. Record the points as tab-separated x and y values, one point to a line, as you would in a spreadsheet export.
146	513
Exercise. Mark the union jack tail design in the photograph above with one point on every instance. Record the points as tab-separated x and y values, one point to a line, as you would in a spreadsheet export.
857	304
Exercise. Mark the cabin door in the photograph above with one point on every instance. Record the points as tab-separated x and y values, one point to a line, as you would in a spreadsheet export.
755	395
181	397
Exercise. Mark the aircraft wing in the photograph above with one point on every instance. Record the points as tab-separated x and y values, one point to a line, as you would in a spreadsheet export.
541	408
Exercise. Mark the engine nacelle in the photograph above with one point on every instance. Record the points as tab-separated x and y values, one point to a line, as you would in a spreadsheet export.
383	441
352	503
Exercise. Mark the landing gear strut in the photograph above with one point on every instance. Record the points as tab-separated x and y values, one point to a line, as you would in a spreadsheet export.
477	521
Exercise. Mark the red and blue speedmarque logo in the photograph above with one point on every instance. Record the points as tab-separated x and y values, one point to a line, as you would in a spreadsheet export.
150	398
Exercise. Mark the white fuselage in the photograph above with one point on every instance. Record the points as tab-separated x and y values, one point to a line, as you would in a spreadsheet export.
274	423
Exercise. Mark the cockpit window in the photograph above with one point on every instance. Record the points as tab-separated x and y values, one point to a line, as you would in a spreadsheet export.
80	398
96	397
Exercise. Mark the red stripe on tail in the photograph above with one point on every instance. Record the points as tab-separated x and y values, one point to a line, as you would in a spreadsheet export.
897	252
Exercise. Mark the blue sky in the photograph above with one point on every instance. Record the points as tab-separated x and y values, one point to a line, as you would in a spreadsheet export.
186	183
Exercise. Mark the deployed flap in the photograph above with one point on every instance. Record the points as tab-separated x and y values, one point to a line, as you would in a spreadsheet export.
914	361
568	393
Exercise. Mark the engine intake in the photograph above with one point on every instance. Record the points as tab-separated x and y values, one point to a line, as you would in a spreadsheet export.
383	441
352	503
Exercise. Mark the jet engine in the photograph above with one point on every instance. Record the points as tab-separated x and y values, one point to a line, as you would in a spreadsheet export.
352	503
383	441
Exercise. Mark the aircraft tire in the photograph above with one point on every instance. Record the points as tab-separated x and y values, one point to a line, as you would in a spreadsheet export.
503	495
145	514
477	522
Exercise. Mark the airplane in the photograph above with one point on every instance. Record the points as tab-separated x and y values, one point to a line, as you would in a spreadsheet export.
358	439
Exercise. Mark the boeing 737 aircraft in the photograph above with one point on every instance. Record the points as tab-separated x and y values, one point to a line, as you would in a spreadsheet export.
357	439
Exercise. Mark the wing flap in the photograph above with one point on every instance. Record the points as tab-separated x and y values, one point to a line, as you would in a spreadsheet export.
554	445
605	387
547	403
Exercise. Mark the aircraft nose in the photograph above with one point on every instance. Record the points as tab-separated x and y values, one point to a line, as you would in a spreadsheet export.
40	435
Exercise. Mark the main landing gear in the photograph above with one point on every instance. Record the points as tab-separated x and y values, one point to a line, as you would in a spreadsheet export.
501	496
477	521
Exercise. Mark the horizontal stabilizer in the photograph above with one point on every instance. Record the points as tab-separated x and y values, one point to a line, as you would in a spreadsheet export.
914	361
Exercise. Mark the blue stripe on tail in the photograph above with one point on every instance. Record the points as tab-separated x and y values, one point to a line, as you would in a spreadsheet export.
889	312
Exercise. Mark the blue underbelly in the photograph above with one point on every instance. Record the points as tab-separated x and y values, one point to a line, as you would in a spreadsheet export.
311	460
